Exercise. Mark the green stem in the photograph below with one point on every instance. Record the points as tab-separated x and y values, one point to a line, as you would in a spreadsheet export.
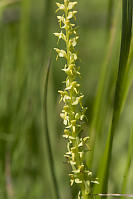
125	47
48	143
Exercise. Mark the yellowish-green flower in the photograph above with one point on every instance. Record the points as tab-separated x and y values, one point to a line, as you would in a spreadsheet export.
73	112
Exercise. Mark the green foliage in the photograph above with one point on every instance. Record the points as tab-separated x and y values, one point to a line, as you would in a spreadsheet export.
128	164
26	37
101	92
46	130
117	106
110	14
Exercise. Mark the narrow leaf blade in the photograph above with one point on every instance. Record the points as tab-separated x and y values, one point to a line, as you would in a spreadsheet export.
117	106
48	143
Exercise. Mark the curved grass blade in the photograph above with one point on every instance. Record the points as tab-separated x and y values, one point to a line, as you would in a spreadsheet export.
117	106
48	143
127	85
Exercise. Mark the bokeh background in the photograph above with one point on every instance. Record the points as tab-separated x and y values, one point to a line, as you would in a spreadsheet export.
26	39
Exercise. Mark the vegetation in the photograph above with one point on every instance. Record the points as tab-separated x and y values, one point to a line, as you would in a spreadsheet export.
32	165
73	112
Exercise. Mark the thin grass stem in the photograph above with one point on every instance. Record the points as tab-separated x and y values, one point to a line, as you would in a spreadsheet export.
48	143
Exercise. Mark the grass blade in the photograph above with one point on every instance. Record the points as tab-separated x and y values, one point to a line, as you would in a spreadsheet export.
128	163
101	92
117	106
127	81
48	143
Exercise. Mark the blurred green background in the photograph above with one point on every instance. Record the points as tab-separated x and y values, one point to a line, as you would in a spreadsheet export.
26	39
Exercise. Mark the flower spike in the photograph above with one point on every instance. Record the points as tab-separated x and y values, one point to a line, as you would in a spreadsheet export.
73	112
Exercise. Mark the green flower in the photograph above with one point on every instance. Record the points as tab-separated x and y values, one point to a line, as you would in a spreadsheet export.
73	112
